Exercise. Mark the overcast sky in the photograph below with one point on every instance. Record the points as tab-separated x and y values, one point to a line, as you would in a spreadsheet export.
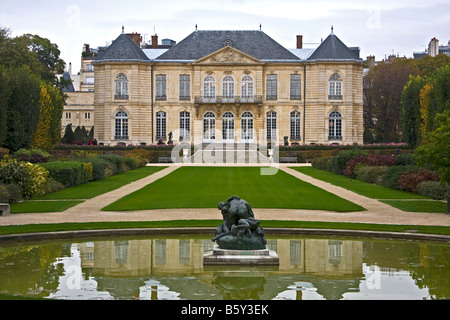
379	27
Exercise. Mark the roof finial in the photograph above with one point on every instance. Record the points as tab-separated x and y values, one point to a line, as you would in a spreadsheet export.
195	27
332	29
123	29
260	27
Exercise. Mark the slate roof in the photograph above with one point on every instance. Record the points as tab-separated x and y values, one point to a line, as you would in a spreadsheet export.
333	49
202	43
123	49
69	86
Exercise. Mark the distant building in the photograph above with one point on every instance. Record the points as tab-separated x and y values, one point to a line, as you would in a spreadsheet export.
433	49
228	86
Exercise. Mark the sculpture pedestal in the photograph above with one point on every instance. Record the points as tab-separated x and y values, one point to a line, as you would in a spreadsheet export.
219	256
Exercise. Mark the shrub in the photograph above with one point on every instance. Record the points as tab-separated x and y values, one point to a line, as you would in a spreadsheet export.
324	163
342	157
10	193
142	156
69	173
409	180
35	155
130	162
404	159
432	189
393	173
370	160
372	174
98	167
117	163
30	178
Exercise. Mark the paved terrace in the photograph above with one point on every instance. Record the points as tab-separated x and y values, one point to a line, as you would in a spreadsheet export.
90	210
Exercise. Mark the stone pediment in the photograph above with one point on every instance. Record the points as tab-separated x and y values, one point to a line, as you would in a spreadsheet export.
228	55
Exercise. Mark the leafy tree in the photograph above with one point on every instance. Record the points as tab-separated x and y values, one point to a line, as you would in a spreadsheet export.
384	84
68	137
411	118
47	134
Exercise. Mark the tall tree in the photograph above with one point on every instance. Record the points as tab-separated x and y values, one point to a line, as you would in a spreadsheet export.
384	85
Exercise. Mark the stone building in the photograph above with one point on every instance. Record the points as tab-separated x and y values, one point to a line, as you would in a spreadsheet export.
228	86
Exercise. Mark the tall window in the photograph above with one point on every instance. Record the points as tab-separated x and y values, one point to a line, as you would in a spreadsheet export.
161	125
228	127
247	89
161	87
121	87
185	87
271	125
296	87
121	126
335	126
228	87
335	89
295	125
209	127
209	88
185	126
272	87
247	126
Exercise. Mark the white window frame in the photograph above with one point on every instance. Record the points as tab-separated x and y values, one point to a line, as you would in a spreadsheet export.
247	89
209	88
335	125
121	86
209	127
271	125
121	128
228	127
161	126
185	126
295	125
335	87
228	85
247	126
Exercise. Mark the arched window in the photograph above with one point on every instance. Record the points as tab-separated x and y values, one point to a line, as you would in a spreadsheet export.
271	125
185	125
121	87
121	126
228	87
247	89
247	126
335	126
228	127
335	87
161	125
209	127
209	88
295	125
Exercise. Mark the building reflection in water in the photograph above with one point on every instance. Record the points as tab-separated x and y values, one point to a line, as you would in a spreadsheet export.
173	269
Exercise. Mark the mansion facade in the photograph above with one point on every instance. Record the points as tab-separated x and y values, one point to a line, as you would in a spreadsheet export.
228	87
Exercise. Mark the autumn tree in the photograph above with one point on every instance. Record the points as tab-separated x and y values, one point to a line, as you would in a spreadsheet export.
383	90
48	131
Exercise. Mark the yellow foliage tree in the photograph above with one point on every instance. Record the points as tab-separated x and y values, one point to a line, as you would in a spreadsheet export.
425	107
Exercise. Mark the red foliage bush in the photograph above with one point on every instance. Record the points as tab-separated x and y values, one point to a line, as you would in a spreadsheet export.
409	180
370	160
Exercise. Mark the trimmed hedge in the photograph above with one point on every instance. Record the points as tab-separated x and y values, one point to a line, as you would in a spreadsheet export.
69	173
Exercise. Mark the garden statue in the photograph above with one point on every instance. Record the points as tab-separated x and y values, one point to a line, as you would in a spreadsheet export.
239	230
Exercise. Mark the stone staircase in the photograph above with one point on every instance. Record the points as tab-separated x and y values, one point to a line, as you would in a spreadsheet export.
228	153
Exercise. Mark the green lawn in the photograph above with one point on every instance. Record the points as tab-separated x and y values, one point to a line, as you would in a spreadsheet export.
96	188
402	200
366	189
43	206
81	192
205	187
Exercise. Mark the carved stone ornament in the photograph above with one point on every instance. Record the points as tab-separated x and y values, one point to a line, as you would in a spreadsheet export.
227	55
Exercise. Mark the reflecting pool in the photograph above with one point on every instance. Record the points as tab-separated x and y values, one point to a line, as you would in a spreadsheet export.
172	268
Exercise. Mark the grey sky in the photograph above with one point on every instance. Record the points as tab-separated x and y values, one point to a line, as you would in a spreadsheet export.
378	27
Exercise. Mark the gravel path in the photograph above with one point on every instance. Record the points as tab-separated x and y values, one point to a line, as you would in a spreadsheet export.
90	210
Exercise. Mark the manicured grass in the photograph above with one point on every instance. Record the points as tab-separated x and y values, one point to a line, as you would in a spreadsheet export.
4	230
96	188
366	189
43	206
205	187
418	205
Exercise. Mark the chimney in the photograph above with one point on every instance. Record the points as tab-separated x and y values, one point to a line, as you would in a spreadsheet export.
87	48
155	41
371	61
136	37
299	42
